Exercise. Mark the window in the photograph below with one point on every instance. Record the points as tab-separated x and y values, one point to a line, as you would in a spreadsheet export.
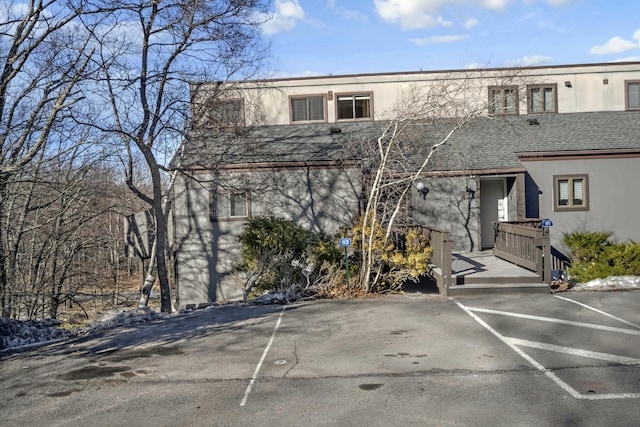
542	98
223	113
632	92
229	205
571	192
354	107
503	99
308	109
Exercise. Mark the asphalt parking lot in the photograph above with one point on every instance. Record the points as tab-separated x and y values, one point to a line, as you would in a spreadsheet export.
413	359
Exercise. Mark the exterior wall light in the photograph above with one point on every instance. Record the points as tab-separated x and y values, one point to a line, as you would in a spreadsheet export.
471	192
421	186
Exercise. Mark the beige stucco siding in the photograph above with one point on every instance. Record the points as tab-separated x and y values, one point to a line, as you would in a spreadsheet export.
580	88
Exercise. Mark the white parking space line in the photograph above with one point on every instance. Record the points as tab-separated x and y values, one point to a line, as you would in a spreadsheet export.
566	387
598	311
623	360
560	321
264	355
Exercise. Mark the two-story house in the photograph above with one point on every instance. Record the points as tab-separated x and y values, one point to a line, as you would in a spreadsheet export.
558	142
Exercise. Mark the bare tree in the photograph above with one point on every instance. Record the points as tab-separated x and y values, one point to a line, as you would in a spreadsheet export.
56	206
149	53
426	118
43	60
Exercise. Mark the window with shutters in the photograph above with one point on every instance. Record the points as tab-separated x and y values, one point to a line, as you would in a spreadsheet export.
571	192
632	94
308	108
542	98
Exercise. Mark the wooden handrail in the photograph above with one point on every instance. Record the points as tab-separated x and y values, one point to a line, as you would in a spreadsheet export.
525	243
441	247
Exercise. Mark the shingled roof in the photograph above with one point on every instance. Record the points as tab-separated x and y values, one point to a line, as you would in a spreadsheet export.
482	144
274	144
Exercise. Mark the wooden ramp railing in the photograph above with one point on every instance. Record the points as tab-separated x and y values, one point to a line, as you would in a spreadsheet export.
441	256
525	243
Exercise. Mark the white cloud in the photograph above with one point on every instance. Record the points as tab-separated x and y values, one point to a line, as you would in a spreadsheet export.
438	39
494	4
617	44
414	14
411	14
478	66
628	59
284	18
553	27
347	14
351	15
470	23
528	16
528	61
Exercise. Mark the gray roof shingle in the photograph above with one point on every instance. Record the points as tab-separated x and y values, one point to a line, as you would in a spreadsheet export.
483	143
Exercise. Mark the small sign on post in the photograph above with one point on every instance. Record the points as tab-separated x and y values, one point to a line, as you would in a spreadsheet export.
345	243
547	223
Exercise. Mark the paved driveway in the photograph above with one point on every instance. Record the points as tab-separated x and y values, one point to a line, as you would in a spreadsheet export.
409	359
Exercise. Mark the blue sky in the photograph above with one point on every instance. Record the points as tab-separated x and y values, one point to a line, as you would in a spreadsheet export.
322	37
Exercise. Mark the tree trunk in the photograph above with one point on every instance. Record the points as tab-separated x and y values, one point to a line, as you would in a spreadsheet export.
161	236
158	264
161	262
4	288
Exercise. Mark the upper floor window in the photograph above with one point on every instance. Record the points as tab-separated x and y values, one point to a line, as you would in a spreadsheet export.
503	100
632	93
571	192
542	98
354	106
229	205
223	113
308	109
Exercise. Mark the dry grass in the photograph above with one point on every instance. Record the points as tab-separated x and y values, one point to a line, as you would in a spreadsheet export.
97	302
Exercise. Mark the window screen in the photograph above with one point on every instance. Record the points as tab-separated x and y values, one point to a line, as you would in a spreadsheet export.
307	109
633	95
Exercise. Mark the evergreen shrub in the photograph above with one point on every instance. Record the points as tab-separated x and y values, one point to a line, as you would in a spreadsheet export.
596	256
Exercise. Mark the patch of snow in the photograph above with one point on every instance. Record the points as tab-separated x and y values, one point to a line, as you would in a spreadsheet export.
270	298
15	334
139	315
609	284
